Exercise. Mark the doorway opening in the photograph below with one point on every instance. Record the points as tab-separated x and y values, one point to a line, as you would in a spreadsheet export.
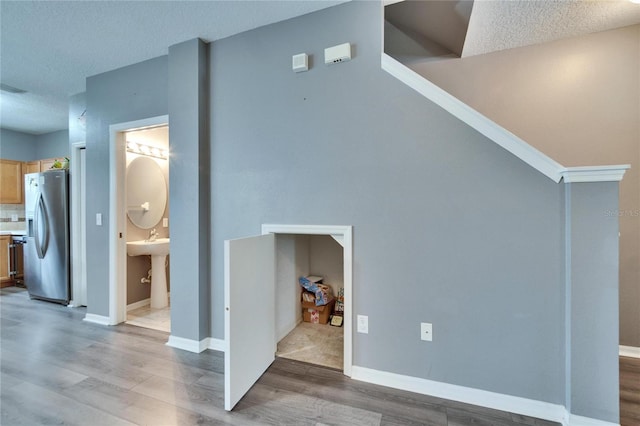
324	252
78	225
307	332
250	304
139	169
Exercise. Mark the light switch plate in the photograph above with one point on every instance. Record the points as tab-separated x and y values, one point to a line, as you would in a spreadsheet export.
98	219
14	217
363	324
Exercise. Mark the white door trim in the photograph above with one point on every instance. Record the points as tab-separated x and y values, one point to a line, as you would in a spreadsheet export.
117	214
78	231
345	233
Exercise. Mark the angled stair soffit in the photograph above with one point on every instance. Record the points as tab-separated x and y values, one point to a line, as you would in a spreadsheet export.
405	42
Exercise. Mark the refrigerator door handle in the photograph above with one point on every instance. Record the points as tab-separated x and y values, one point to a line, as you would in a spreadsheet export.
41	248
11	260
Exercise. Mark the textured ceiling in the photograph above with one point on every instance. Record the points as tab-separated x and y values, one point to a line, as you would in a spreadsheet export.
49	47
499	25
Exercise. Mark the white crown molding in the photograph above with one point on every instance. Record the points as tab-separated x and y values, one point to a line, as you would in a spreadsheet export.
473	118
498	134
594	173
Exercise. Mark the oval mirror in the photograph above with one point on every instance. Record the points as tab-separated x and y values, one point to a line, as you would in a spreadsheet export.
146	192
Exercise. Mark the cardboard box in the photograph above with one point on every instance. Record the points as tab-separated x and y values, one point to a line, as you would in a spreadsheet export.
317	314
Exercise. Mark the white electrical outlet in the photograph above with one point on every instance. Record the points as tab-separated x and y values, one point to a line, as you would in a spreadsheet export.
363	324
14	217
165	222
98	219
426	331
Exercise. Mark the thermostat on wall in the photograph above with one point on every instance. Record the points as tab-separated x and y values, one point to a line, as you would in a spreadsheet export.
336	54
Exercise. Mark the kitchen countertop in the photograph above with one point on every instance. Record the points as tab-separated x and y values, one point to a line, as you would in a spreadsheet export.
13	232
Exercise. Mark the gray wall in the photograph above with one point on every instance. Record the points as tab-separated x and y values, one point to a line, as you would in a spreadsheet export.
77	106
17	145
592	233
53	145
292	262
448	227
189	181
26	147
326	258
131	93
577	101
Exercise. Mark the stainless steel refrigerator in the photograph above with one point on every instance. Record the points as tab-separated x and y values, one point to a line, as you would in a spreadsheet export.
46	248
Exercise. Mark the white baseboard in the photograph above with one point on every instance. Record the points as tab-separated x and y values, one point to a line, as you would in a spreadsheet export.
630	351
216	344
587	421
139	304
497	401
97	319
188	344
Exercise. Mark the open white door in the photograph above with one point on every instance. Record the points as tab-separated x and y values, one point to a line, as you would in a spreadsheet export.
249	329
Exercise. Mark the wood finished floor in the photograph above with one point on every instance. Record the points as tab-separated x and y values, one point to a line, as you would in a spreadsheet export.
629	391
57	369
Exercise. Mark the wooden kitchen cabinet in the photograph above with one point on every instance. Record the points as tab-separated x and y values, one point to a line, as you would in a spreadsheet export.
39	165
11	261
31	167
46	164
5	278
11	182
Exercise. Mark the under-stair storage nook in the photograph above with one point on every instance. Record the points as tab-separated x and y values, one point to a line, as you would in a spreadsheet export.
271	264
304	332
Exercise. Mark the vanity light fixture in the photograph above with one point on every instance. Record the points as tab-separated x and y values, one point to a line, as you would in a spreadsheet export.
148	150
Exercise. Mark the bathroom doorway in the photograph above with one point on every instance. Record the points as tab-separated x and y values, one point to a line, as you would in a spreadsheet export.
147	210
140	218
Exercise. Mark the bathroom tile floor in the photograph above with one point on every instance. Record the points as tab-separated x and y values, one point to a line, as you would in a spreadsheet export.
319	344
156	319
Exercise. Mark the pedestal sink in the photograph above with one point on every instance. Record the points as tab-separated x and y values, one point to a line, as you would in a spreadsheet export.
158	250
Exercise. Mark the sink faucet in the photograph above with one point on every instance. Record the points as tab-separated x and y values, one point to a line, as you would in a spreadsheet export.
153	234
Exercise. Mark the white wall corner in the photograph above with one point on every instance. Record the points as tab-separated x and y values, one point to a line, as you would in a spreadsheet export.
630	351
190	345
97	319
594	173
